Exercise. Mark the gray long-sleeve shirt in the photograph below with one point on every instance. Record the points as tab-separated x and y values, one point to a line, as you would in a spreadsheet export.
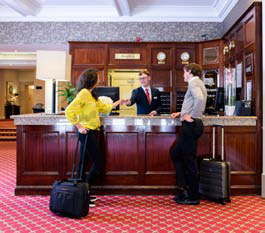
195	99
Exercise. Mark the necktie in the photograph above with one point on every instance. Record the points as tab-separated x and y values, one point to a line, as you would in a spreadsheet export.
148	95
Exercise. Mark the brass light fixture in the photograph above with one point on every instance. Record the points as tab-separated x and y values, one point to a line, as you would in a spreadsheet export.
226	50
232	44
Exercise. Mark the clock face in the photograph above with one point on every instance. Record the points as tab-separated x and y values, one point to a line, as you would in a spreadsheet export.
185	56
161	56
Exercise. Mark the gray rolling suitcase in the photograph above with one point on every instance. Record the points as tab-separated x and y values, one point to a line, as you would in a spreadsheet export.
70	197
215	176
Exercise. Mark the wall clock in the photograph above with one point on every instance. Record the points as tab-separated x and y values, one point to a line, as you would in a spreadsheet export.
185	57
161	57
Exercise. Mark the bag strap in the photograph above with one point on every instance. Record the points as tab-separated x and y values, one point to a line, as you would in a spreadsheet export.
83	158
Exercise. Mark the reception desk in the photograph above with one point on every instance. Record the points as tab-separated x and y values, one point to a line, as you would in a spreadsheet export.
135	153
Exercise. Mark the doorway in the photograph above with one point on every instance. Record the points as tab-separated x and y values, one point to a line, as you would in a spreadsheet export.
127	80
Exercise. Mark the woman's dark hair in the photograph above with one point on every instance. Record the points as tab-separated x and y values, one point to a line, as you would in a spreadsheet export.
88	80
194	69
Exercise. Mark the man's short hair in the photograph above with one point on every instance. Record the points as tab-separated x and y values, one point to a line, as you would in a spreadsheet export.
144	72
194	69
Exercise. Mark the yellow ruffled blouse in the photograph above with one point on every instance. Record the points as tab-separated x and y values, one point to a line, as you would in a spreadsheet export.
84	109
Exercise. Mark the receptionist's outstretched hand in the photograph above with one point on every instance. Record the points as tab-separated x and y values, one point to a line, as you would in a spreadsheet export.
127	101
175	114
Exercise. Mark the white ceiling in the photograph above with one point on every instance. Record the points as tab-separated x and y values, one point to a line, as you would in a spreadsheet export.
116	10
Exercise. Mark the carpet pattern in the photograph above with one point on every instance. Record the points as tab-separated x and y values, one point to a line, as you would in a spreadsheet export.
123	213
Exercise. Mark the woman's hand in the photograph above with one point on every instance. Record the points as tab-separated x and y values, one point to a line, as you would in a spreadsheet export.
118	102
81	129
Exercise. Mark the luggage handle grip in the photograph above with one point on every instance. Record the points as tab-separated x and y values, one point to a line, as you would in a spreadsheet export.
216	125
222	152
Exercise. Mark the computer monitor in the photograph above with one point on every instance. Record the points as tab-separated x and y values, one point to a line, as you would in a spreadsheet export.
112	92
219	99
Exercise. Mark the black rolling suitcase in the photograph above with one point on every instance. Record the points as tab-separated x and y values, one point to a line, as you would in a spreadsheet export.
70	197
215	176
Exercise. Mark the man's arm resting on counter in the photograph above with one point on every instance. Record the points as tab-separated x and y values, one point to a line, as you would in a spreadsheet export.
175	114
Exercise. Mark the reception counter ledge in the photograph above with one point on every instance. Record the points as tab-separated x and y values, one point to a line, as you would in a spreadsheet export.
164	120
135	153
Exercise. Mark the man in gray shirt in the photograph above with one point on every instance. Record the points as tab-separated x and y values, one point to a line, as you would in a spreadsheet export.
184	155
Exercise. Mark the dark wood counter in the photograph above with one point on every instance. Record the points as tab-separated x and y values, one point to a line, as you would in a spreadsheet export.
135	152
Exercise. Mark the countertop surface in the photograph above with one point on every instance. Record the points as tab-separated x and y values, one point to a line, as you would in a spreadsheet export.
144	120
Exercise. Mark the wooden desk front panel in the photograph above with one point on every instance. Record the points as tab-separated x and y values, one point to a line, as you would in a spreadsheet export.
135	158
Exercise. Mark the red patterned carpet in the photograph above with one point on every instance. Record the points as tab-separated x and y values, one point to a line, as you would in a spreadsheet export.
123	213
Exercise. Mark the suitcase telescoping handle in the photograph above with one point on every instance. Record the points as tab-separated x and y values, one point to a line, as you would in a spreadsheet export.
222	149
83	158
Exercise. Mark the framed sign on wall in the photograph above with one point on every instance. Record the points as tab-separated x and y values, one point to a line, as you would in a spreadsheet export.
9	91
249	64
211	55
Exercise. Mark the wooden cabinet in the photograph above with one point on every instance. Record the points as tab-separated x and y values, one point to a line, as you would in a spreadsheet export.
247	36
11	110
164	60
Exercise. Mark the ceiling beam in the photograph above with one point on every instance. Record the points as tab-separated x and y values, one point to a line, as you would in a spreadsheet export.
122	7
24	7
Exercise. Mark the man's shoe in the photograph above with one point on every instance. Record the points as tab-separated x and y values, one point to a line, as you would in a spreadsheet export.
188	202
181	196
92	204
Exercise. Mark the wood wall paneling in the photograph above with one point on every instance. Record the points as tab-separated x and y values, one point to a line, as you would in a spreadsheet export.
161	78
89	56
250	30
179	80
240	39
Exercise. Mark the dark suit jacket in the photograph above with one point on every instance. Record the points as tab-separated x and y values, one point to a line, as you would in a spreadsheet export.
143	107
